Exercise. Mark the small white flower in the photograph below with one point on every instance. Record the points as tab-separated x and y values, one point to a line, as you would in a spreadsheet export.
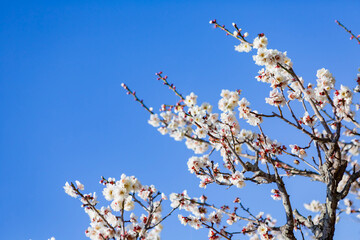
314	206
154	120
243	47
190	100
79	185
69	190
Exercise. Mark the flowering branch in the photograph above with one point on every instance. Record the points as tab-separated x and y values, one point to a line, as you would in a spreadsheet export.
322	113
106	225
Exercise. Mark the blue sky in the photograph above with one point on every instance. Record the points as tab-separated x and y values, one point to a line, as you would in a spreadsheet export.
64	115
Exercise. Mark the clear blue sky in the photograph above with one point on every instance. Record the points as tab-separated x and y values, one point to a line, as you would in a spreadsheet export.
64	115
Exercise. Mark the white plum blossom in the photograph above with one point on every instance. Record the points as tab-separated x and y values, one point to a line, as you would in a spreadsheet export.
262	229
197	163
238	179
206	107
191	99
228	101
276	98
79	185
243	47
215	217
154	120
247	114
308	120
196	146
343	101
271	58
260	42
314	206
300	152
201	132
69	190
275	194
325	80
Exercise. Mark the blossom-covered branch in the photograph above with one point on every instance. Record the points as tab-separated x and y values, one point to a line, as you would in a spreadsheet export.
115	221
323	113
250	155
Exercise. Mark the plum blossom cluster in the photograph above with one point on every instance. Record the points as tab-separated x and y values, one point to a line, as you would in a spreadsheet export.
246	113
298	151
203	129
116	221
220	221
308	120
323	114
314	206
275	194
342	102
